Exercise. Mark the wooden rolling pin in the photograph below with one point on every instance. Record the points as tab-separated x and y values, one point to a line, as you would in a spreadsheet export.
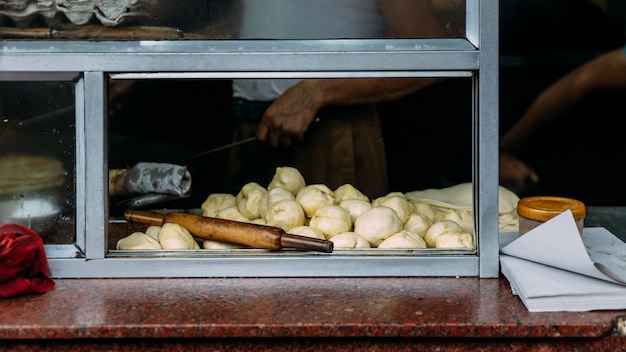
247	234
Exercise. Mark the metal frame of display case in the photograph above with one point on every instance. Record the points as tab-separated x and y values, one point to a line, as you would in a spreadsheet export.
91	63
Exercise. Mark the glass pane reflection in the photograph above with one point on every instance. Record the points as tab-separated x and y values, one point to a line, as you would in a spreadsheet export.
37	158
232	19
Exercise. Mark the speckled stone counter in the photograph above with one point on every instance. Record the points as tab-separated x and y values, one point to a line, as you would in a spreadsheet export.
296	314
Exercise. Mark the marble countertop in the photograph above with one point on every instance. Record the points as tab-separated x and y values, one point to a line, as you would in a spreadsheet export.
336	311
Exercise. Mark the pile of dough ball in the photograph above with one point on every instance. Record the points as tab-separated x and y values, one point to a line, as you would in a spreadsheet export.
432	218
345	215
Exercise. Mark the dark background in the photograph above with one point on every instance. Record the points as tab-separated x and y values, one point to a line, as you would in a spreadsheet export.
584	155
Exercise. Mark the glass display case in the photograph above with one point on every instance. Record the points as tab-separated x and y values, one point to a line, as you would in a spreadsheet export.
82	82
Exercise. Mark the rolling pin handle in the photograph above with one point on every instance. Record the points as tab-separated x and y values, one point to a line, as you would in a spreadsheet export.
306	243
144	218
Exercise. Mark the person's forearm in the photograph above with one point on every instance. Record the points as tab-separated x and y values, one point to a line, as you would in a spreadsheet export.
554	101
606	72
352	91
291	114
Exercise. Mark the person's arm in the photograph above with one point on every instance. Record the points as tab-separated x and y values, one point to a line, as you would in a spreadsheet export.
291	114
605	72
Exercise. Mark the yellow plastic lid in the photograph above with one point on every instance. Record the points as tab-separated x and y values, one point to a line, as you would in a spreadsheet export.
544	208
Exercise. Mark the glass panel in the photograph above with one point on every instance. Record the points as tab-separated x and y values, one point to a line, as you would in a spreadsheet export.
231	19
421	131
37	158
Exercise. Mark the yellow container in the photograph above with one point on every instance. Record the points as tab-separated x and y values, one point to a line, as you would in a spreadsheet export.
534	211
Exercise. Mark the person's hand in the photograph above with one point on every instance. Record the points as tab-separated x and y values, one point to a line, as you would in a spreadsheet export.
514	172
288	118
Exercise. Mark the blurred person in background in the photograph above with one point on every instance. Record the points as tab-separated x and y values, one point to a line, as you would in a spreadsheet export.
346	145
578	151
598	76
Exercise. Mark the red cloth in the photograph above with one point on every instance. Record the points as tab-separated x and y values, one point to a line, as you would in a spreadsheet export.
23	263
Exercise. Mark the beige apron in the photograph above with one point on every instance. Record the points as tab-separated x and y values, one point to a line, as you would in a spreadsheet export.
346	146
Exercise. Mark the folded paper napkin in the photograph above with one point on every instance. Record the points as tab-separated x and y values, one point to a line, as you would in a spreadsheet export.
150	177
23	263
